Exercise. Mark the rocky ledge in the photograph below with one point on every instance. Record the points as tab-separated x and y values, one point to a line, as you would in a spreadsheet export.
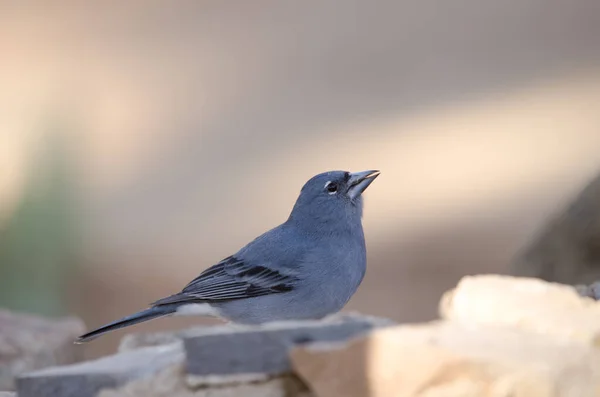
30	342
496	336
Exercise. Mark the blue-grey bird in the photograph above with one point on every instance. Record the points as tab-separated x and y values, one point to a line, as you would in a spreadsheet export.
306	268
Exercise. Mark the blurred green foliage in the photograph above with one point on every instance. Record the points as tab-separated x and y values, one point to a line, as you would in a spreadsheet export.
38	243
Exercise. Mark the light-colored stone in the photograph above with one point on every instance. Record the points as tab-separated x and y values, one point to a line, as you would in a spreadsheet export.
445	359
28	343
8	394
135	341
87	379
525	303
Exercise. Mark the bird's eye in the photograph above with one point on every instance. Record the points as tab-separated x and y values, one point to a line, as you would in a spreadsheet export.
331	187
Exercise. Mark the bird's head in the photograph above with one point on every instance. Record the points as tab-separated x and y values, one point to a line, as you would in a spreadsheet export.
332	200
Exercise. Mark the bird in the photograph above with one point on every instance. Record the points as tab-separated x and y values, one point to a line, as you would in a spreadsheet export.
307	268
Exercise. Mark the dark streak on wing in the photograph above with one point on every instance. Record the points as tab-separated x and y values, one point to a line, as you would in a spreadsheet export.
232	279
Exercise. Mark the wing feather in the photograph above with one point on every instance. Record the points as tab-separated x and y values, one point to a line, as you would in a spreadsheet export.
232	279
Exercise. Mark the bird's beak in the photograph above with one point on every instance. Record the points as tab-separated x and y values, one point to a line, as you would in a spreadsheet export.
360	181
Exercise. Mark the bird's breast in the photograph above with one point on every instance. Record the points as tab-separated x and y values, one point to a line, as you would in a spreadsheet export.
336	277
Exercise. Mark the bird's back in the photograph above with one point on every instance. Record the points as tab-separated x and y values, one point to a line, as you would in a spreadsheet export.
326	270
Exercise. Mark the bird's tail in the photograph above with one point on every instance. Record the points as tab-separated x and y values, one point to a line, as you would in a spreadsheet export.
139	317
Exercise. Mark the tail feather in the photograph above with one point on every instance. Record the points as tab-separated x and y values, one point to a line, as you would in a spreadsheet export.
139	317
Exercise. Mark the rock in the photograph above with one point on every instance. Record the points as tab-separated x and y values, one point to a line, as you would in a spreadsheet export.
135	341
446	359
30	342
7	394
87	379
207	361
567	248
524	303
589	291
254	352
171	383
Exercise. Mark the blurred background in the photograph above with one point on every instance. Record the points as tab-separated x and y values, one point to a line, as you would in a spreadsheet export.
143	141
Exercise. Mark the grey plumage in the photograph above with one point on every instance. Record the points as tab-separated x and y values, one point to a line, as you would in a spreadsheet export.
306	268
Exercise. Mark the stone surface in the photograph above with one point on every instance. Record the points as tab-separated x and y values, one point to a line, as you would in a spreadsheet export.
500	336
589	291
171	383
138	340
30	342
524	303
263	350
229	361
7	394
87	379
446	359
567	248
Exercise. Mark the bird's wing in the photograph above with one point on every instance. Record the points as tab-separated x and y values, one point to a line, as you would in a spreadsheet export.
230	279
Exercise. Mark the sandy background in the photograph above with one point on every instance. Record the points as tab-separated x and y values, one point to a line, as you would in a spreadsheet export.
140	142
